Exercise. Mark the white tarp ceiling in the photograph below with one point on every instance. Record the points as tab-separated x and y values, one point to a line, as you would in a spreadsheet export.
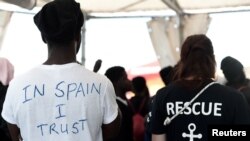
111	6
186	22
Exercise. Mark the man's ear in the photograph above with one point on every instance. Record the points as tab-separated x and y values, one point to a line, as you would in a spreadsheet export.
44	39
78	41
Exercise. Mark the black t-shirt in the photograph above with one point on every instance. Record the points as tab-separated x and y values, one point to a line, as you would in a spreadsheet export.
126	129
140	104
216	105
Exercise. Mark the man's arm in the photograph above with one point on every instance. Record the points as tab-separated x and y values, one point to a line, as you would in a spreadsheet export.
14	132
159	137
112	129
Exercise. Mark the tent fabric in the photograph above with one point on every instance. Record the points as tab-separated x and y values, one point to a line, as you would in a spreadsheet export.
195	24
167	37
4	20
111	6
27	4
164	49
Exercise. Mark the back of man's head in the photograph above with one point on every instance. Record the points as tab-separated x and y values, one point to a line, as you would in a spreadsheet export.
115	73
232	69
139	84
166	74
59	21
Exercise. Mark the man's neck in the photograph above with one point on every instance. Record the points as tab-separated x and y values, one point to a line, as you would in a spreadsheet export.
61	55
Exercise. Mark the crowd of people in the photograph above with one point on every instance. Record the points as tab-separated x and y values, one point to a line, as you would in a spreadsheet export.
62	100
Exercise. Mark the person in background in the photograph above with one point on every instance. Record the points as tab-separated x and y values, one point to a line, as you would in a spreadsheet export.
193	100
236	78
140	106
166	74
61	100
122	85
142	95
6	75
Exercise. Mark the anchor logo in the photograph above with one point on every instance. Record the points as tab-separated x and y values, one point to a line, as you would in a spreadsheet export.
191	136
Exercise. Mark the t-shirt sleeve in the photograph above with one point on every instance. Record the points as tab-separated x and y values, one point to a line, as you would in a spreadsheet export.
242	110
110	104
158	115
8	107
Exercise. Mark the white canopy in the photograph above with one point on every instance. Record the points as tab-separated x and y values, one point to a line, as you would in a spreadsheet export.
113	6
190	17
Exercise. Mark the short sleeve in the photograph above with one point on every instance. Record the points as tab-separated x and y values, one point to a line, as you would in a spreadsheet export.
158	115
110	104
242	111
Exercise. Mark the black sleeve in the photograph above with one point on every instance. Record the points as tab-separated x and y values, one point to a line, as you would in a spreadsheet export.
158	114
246	93
242	110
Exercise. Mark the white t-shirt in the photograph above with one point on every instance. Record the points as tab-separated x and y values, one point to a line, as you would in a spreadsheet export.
60	103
